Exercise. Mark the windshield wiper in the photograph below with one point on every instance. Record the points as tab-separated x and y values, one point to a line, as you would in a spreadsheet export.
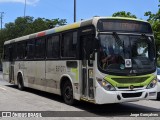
119	41
148	40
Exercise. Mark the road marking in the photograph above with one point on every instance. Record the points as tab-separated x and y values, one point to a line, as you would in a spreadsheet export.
2	88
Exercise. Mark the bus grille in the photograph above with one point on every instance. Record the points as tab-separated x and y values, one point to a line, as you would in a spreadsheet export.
129	95
130	80
128	87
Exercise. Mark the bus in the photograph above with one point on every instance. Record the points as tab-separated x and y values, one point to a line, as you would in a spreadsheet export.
101	60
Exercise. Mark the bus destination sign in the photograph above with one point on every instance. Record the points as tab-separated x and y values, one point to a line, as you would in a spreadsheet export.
105	25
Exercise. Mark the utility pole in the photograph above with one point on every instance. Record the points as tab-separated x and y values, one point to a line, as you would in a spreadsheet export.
1	17
25	8
74	10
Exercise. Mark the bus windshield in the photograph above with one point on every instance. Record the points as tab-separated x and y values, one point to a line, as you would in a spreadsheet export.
126	54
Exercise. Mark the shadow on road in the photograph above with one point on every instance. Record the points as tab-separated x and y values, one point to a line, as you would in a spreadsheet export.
121	109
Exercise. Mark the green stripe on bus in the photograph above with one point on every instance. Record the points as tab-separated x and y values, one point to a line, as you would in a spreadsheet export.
111	80
75	70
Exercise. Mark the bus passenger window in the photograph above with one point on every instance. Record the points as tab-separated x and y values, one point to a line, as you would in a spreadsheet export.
21	50
30	49
40	48
15	51
6	53
53	47
69	44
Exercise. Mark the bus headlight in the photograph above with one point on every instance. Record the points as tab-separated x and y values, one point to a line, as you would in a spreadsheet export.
152	84
106	85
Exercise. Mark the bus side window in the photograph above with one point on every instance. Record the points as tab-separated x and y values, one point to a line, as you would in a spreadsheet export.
88	43
6	53
14	51
53	47
69	44
30	49
40	48
21	46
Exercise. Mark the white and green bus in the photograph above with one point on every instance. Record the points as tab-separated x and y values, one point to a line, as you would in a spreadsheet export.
101	60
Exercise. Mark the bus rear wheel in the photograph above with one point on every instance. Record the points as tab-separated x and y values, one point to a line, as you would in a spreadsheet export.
20	82
67	93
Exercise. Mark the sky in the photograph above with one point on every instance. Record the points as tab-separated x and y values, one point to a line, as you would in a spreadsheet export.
63	9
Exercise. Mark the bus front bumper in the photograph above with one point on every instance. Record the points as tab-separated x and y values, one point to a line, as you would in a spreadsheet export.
105	97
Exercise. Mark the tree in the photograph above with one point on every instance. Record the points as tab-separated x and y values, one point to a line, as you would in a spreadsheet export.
154	19
124	14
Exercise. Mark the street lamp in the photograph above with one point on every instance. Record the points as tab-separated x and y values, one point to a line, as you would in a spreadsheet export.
74	10
1	18
25	8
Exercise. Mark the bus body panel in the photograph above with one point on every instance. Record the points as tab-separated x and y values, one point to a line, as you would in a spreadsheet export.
48	79
6	71
103	96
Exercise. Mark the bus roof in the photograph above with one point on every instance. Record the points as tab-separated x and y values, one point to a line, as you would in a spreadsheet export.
82	23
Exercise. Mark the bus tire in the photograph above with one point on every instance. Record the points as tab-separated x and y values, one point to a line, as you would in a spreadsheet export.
20	82
67	93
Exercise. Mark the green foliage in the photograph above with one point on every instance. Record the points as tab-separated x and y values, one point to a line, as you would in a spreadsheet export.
28	25
154	19
124	14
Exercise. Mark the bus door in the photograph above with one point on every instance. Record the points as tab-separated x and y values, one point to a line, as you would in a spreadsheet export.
86	83
11	65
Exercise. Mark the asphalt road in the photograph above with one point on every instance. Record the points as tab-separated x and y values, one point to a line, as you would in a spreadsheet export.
12	99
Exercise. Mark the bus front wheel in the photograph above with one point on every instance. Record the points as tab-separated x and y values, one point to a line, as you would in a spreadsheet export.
20	82
67	93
